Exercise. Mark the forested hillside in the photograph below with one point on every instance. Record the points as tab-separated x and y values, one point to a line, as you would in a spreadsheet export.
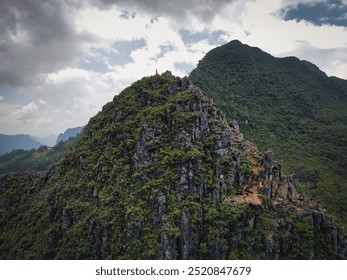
161	173
40	159
288	106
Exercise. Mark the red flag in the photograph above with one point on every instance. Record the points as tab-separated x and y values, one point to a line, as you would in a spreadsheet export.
156	73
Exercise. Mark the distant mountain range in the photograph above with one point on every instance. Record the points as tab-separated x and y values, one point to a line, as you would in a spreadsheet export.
9	143
41	159
70	132
20	141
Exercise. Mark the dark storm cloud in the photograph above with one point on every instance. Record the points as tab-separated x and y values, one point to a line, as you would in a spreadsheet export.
332	12
36	37
205	10
127	15
39	37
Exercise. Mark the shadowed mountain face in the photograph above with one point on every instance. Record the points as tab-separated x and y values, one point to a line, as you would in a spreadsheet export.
160	173
288	106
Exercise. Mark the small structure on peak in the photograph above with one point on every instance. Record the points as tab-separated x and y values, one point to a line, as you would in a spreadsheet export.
156	73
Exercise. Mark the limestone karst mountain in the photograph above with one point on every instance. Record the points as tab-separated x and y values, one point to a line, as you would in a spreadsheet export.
9	143
161	173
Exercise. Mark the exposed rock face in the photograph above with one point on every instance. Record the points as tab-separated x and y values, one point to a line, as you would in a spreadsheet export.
161	173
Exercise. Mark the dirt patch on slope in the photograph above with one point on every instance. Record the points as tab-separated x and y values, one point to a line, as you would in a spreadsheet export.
251	196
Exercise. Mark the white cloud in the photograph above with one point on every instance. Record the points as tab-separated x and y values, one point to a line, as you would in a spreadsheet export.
1	98
65	95
108	26
297	2
332	60
263	28
276	35
65	99
25	114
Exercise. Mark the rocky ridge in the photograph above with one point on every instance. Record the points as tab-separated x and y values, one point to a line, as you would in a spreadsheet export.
161	173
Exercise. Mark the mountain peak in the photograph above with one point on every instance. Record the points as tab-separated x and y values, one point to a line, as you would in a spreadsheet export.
19	141
161	173
286	105
236	42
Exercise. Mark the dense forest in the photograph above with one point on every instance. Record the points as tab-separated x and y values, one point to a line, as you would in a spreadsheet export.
161	173
288	106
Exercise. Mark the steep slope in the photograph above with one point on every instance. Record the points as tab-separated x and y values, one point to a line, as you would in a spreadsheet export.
160	173
9	143
288	106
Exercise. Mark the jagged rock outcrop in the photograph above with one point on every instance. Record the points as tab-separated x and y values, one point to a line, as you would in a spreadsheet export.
161	173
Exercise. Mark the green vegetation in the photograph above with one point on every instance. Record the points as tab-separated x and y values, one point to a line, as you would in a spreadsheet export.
40	159
287	106
153	176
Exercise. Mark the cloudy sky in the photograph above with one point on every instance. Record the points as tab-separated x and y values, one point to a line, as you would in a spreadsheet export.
62	60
